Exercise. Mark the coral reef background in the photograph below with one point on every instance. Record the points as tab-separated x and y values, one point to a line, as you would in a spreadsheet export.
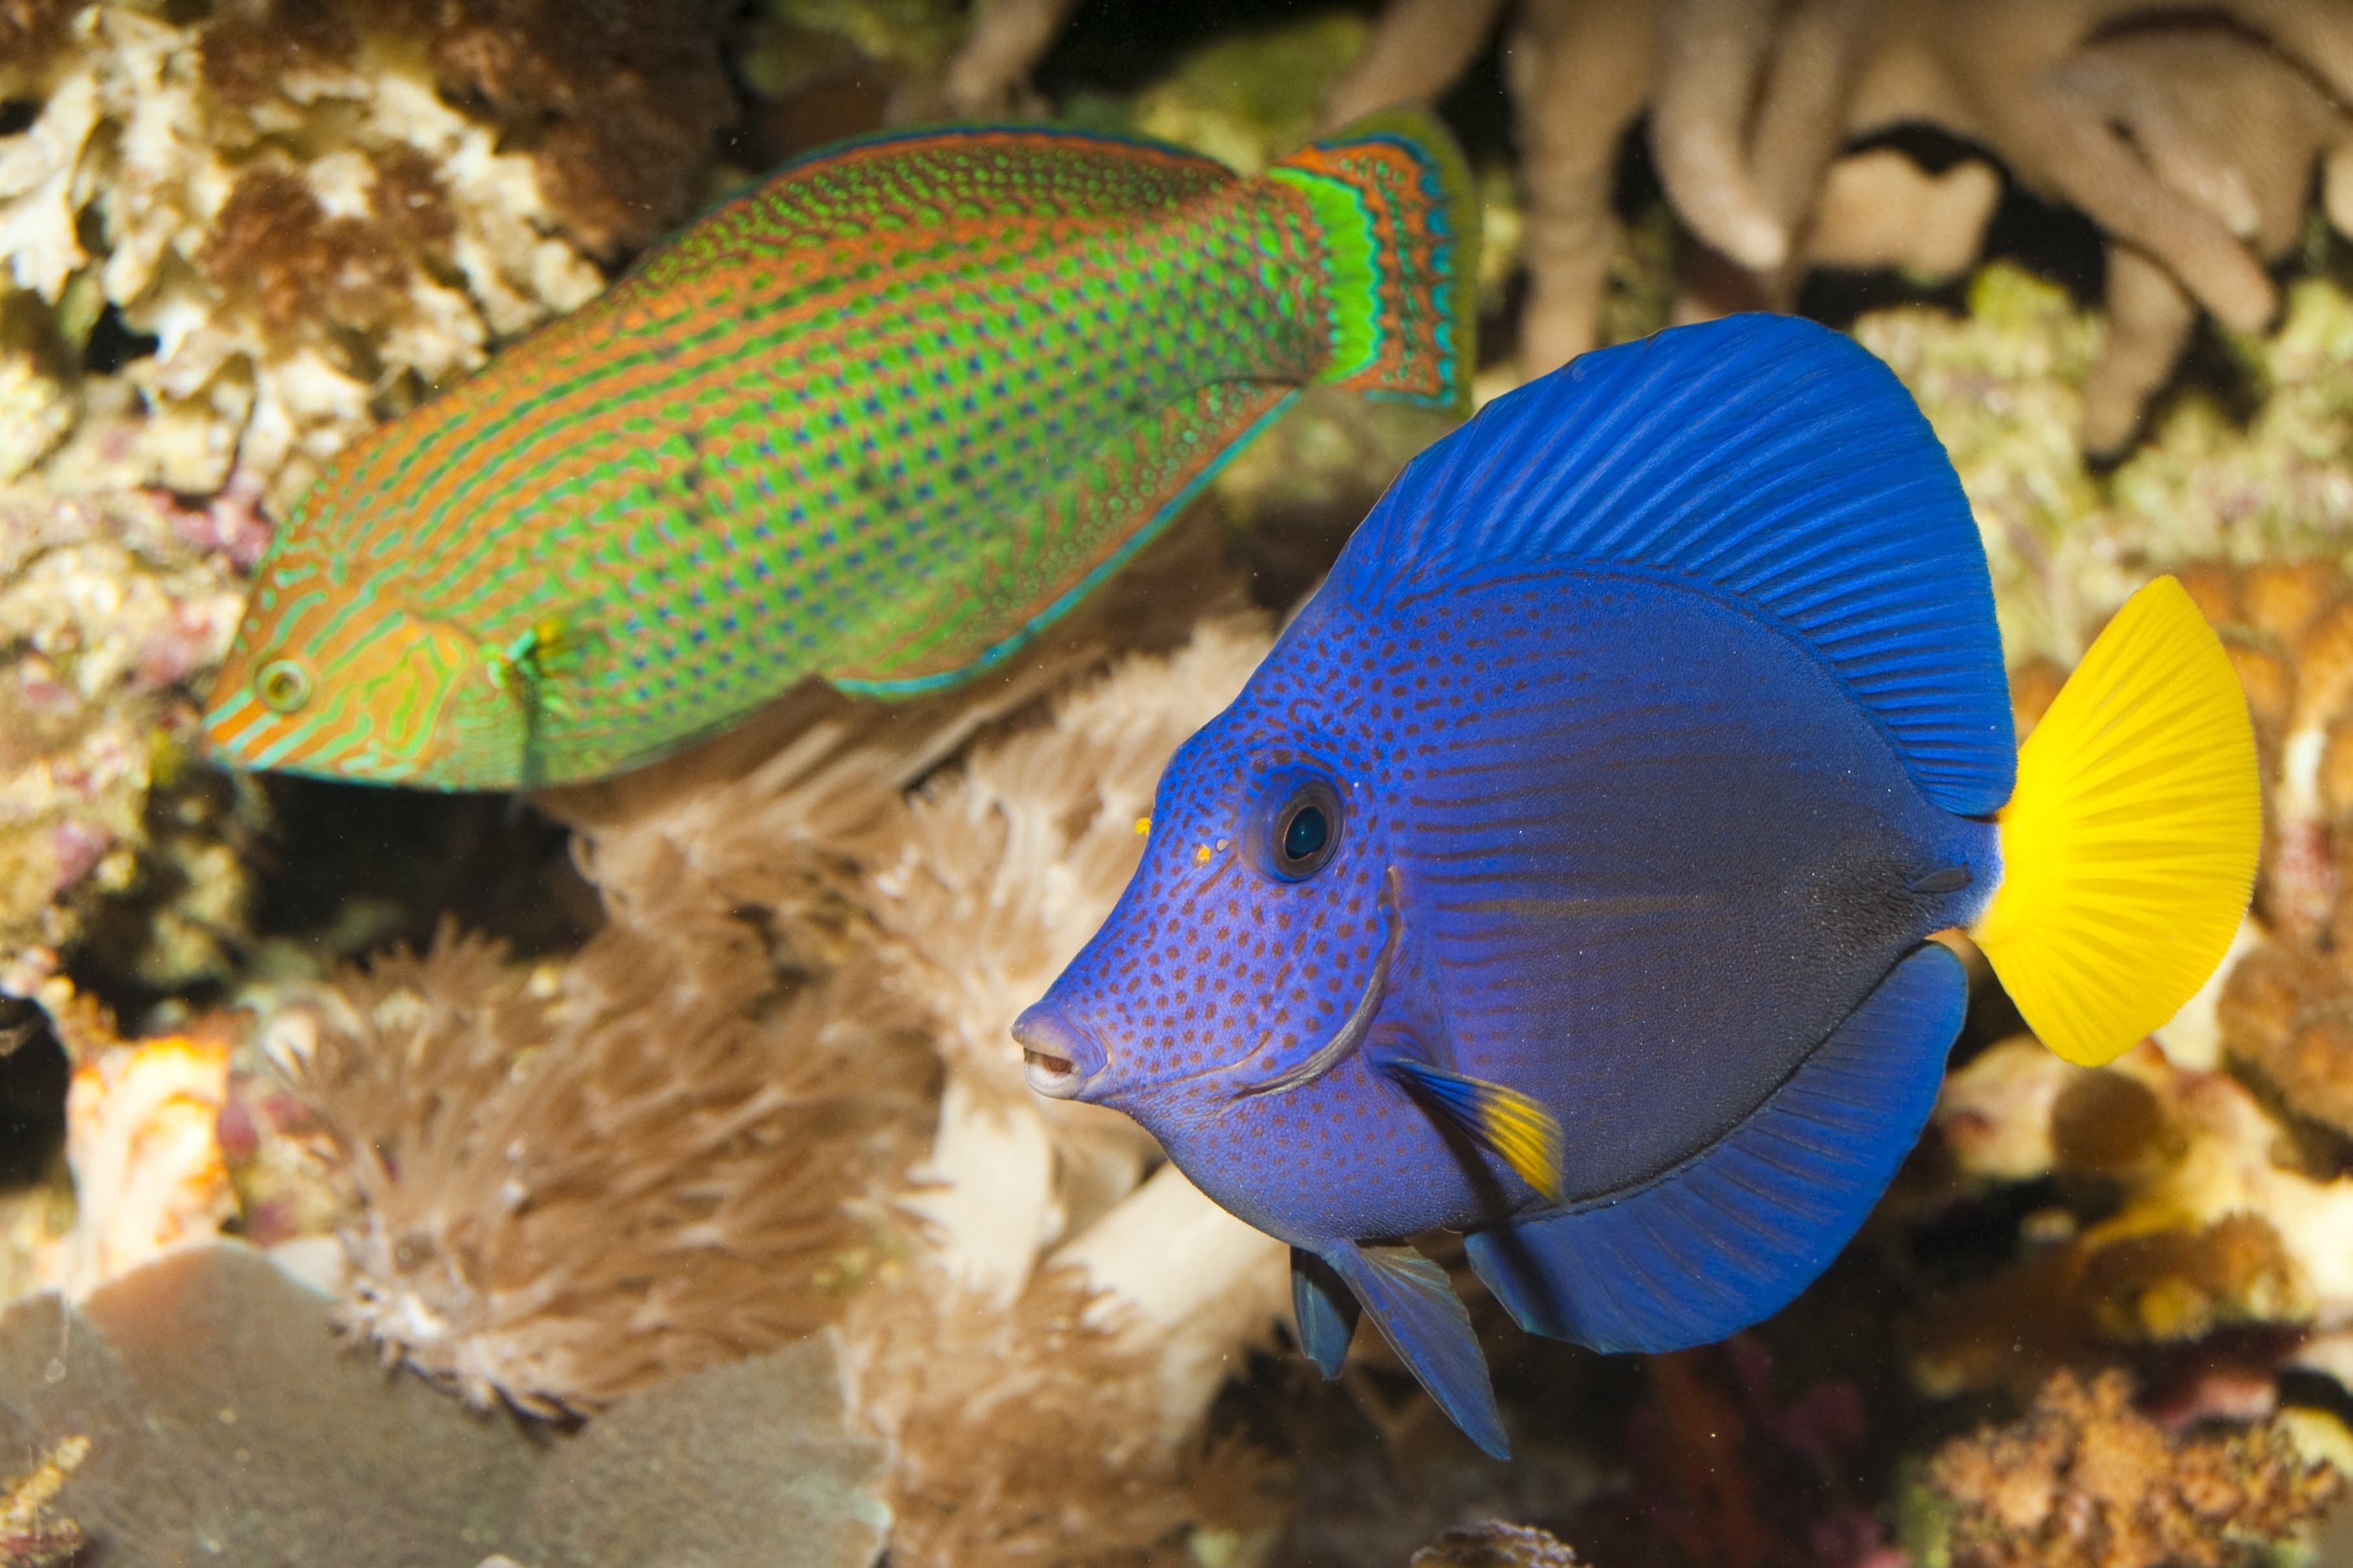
665	1134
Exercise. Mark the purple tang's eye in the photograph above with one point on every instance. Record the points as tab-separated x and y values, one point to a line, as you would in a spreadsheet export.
1303	829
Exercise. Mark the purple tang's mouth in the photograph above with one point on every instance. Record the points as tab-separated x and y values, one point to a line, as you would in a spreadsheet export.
1057	1057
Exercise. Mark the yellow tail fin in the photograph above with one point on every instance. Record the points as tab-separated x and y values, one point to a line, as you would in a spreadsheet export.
2128	848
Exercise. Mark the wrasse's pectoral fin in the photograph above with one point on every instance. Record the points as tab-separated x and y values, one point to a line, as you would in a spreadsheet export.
1514	1128
1324	1308
1413	1304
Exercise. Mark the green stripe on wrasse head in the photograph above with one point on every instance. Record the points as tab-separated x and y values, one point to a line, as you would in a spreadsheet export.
398	700
876	422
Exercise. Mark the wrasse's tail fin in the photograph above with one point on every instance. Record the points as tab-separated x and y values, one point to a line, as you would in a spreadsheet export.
1399	219
2129	849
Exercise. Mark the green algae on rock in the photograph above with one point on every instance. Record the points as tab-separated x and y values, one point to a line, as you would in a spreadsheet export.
110	603
2001	385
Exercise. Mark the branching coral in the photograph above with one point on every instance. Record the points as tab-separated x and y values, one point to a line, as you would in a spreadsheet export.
2190	144
2086	1481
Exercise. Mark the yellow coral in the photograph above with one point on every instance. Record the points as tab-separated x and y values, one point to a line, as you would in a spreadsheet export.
142	1137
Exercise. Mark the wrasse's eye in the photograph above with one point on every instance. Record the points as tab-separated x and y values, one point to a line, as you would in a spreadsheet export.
282	684
1305	831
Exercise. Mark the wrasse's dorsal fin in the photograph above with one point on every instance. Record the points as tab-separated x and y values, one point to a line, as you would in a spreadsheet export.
1508	1124
1733	1235
1413	1304
1325	1309
829	194
1762	458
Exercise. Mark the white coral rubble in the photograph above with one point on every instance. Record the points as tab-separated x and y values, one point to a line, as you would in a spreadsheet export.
132	148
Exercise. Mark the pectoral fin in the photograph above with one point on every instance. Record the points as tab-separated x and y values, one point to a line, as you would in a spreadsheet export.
1412	1303
1325	1310
1509	1125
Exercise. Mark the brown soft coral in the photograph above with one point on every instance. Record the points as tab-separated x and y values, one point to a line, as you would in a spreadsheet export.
626	100
275	246
2084	1480
1022	1433
577	1184
775	1093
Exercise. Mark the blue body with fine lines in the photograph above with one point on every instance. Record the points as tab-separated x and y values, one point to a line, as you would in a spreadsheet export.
1658	718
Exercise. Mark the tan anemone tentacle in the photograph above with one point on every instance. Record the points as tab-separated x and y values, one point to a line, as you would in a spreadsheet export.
2228	125
1580	71
2001	59
1711	65
1800	120
1419	47
2149	320
1007	39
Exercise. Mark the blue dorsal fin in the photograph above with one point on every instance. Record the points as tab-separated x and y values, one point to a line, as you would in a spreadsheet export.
1763	458
1733	1237
1324	1311
1413	1304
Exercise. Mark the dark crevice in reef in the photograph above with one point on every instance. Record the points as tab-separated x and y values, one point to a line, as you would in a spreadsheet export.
360	867
1124	45
32	1101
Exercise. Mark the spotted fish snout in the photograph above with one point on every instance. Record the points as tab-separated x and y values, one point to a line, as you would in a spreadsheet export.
1058	1057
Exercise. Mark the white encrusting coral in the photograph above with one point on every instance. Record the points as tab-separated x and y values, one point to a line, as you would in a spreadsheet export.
295	257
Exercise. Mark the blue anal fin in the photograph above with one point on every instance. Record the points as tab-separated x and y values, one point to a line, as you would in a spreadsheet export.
1732	1237
1325	1310
1413	1304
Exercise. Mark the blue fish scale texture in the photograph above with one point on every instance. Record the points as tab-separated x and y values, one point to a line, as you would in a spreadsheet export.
1637	889
1659	700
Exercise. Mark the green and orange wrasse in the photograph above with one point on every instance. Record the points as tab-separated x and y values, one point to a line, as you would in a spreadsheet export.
877	421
